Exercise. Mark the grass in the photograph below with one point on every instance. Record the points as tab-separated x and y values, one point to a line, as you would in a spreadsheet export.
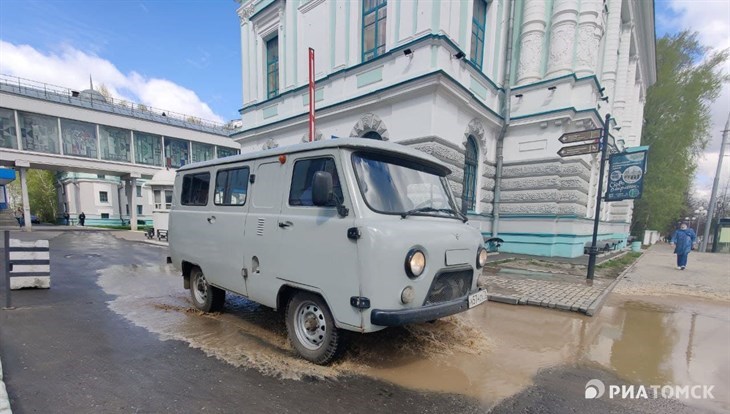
622	262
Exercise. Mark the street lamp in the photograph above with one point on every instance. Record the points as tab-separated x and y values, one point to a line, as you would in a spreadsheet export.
700	212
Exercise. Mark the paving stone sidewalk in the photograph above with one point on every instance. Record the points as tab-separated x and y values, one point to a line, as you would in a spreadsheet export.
555	291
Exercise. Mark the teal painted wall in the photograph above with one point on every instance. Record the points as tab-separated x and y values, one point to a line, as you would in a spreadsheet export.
551	245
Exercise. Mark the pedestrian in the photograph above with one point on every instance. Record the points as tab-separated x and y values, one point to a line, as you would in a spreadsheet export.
66	218
82	218
683	240
20	217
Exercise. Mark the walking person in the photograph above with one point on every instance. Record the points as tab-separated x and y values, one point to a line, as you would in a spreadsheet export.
82	218
683	239
66	218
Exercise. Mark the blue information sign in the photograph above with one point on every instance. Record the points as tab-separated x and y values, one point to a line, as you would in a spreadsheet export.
626	175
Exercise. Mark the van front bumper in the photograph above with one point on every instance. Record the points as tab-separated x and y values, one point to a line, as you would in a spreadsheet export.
417	315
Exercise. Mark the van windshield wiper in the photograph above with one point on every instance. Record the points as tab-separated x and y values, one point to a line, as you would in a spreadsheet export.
429	210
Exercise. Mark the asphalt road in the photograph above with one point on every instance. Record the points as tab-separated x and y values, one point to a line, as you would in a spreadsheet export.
64	351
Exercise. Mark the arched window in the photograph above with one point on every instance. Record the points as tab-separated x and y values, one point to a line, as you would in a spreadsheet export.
471	159
372	135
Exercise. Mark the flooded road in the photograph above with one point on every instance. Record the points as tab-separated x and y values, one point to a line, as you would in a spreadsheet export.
489	353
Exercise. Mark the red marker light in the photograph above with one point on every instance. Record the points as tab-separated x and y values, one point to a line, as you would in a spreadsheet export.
282	159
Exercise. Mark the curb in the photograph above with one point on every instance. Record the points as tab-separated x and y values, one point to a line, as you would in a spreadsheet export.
594	307
4	399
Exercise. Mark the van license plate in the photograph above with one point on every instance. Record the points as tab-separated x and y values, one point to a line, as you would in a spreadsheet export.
477	298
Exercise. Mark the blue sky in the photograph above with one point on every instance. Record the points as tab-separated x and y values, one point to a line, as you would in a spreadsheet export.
184	55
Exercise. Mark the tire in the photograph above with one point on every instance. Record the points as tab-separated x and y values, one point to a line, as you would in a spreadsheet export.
311	329
205	297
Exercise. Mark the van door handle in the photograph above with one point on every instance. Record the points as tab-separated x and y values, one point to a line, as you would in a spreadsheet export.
285	224
211	219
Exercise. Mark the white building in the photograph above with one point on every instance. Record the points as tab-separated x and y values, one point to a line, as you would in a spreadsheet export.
105	151
486	86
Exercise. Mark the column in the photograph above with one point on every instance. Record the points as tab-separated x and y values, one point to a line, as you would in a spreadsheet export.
619	96
244	61
532	36
22	167
610	51
590	31
132	201
562	38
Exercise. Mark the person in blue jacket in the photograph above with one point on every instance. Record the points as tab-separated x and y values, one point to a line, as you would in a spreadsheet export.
683	239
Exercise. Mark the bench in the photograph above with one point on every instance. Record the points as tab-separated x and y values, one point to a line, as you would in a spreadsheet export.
162	234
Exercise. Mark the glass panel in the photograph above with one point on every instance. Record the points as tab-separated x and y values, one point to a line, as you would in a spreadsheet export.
195	189
39	132
369	38
369	19
177	151
7	129
139	209
220	187
300	193
168	199
231	187
147	149
395	186
103	197
381	32
480	12
158	199
115	143
202	152
79	138
226	152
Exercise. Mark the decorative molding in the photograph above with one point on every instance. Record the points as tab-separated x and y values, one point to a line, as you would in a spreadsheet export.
245	13
269	144
370	122
311	4
317	135
476	129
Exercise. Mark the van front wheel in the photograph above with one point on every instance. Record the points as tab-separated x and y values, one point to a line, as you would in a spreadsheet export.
311	328
205	297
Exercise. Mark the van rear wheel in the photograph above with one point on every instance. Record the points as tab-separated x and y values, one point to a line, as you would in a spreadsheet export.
311	328
205	297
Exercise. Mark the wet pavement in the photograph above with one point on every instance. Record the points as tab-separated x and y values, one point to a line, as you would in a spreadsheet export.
117	334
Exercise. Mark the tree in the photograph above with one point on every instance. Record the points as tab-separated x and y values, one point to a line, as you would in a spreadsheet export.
677	115
42	194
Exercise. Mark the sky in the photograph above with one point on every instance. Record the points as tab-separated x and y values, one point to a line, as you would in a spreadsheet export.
185	55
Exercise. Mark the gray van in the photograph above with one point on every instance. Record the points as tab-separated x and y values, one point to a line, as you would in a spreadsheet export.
345	234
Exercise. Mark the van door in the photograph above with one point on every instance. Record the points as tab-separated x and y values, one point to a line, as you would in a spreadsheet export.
315	241
226	225
263	254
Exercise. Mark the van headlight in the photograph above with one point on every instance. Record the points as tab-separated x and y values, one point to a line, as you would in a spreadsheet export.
415	263
481	257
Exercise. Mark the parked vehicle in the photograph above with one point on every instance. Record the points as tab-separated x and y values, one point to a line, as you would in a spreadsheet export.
34	219
347	234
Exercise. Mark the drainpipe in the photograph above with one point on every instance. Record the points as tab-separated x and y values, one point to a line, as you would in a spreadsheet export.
506	104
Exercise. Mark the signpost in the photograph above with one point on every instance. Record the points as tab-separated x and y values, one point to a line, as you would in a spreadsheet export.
597	215
311	94
579	149
626	175
587	135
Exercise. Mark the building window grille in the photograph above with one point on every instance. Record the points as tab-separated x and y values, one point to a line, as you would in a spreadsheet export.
374	15
272	67
478	26
468	196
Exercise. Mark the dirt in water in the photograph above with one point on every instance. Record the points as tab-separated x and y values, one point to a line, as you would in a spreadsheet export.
489	353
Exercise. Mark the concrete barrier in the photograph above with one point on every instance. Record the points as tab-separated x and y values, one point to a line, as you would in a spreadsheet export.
30	264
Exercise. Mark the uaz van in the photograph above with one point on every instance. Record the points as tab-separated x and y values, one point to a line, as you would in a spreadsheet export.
344	234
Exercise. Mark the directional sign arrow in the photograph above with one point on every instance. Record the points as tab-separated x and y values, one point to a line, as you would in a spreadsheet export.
578	136
579	149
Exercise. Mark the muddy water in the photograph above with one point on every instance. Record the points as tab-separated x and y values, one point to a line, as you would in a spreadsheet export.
489	353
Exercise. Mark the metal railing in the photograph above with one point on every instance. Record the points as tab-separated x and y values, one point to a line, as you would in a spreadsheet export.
95	100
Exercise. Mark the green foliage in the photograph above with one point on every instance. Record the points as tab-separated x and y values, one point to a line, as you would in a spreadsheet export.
42	194
621	262
677	114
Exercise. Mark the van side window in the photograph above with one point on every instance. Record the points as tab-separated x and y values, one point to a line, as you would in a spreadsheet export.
231	187
300	193
195	189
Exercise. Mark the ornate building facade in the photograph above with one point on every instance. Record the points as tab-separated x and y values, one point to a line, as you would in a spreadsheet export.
486	86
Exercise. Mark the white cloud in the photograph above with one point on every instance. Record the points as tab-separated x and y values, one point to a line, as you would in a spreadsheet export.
711	19
70	68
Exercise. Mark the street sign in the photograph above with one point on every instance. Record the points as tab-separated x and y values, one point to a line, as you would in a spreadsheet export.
626	176
588	134
580	149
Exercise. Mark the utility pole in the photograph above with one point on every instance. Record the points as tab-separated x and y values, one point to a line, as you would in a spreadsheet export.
715	184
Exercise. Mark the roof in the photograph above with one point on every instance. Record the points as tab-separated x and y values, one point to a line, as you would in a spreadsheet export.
350	143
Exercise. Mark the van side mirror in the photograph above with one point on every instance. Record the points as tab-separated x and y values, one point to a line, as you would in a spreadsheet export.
322	188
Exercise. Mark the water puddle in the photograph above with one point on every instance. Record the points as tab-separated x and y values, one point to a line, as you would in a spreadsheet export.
488	353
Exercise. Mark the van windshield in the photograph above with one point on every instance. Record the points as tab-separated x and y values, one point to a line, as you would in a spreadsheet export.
396	186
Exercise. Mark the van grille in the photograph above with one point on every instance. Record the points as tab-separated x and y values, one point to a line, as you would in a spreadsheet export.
260	227
449	286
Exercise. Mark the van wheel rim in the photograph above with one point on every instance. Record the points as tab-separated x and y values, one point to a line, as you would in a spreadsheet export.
201	289
310	325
